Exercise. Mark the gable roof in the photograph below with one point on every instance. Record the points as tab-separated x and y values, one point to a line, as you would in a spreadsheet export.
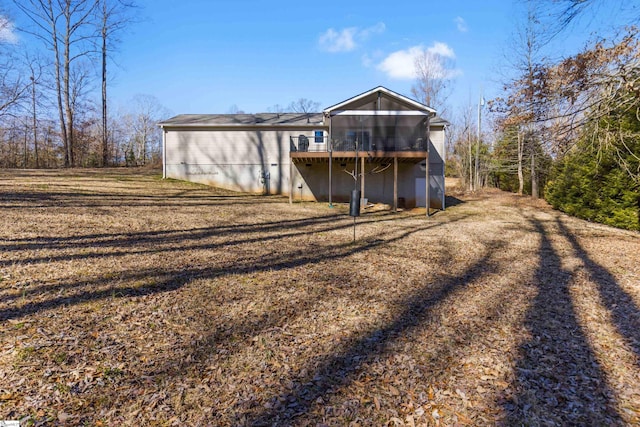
294	119
243	120
373	93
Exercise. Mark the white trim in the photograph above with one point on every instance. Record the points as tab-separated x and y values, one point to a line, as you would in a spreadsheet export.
164	153
386	91
380	113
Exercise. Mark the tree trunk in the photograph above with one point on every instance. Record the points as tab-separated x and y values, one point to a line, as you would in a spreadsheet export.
520	155
105	146
477	166
35	123
66	89
534	177
470	163
63	126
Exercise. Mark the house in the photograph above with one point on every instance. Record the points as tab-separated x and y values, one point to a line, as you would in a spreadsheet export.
390	142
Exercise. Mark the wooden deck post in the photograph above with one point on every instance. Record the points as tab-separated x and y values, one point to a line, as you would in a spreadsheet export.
428	186
395	184
330	178
362	182
426	191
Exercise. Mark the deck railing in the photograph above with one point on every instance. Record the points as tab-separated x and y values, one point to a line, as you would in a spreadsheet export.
311	144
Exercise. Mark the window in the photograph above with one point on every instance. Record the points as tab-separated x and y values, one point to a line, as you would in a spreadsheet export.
318	136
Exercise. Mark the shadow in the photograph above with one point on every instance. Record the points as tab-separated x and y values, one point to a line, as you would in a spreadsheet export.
169	280
139	243
87	200
450	201
160	236
624	311
558	380
325	376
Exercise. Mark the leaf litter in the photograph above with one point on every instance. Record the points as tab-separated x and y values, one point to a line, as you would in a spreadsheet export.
128	300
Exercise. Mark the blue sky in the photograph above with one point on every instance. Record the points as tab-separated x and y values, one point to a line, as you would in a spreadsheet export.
206	56
202	56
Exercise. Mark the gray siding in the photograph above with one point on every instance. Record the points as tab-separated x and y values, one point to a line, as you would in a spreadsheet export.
254	160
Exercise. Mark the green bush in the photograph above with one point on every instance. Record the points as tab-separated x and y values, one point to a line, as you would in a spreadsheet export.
589	183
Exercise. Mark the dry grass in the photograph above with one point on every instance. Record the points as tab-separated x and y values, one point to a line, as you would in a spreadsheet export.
127	300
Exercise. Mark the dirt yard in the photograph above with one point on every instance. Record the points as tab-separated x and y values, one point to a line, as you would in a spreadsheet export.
128	300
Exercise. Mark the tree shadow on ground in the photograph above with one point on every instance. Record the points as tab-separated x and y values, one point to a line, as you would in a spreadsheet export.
558	379
332	372
84	199
624	311
173	279
174	241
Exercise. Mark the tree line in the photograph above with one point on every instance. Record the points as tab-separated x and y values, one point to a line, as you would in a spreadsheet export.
51	112
566	129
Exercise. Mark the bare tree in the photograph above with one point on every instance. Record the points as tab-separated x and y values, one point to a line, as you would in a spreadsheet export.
304	105
65	28
234	109
36	75
13	85
146	135
599	83
562	14
113	18
435	73
526	105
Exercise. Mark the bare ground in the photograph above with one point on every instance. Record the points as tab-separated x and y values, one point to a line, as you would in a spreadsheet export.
128	300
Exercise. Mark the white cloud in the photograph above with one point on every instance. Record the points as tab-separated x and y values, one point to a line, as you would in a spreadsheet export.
441	49
334	41
7	31
401	64
347	39
461	24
